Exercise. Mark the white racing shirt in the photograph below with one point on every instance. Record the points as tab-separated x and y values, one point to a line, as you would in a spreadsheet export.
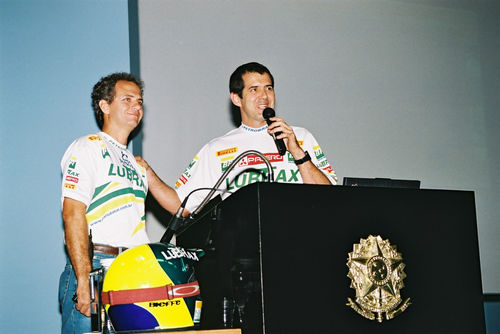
101	173
216	156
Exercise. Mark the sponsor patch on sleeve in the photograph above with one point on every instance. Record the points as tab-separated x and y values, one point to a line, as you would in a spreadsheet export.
71	179
70	186
72	163
318	152
93	138
328	169
182	180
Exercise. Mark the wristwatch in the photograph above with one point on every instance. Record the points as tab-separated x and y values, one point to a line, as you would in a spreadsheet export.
307	157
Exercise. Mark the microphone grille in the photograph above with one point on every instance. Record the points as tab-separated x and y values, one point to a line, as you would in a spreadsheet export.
268	113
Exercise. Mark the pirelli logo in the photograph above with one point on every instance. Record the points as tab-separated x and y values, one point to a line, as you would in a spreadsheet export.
70	186
92	138
226	151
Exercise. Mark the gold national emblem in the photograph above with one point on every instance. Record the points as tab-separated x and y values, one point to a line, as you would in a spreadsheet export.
376	273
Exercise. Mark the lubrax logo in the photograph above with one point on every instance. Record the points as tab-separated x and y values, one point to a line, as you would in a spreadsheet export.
175	253
164	304
260	175
125	172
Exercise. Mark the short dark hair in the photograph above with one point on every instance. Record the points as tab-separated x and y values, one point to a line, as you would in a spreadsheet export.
105	90
236	83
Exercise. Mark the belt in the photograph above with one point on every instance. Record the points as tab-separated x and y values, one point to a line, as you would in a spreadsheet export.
110	250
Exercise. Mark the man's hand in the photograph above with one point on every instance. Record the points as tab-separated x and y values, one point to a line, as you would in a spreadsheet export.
142	162
83	303
288	136
164	195
309	172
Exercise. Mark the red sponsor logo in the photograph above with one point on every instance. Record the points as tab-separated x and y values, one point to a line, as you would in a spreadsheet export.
71	179
328	169
183	179
254	159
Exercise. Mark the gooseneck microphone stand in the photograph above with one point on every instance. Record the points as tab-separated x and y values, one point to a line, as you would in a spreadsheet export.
270	172
178	225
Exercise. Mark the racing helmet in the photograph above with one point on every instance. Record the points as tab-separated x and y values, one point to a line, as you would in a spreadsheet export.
153	286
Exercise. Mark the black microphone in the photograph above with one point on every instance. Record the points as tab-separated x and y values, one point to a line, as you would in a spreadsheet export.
175	222
280	144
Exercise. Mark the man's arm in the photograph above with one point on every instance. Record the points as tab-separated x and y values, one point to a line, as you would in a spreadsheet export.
77	244
309	172
164	195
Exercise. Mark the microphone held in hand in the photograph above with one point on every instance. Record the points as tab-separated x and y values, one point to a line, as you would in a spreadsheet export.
280	144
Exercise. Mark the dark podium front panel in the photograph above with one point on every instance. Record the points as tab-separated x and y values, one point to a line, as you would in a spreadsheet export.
301	235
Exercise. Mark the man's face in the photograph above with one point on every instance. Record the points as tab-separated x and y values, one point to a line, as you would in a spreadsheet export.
126	109
257	95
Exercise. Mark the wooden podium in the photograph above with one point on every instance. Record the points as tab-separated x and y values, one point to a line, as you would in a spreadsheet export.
301	235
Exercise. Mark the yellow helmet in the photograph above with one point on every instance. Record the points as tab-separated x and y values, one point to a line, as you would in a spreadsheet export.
153	286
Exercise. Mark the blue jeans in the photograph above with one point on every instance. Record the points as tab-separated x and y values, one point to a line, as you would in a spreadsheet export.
73	322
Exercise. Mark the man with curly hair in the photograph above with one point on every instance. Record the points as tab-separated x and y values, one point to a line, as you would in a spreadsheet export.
103	194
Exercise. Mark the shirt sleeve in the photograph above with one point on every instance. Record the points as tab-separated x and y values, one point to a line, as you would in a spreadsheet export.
197	175
318	157
78	172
